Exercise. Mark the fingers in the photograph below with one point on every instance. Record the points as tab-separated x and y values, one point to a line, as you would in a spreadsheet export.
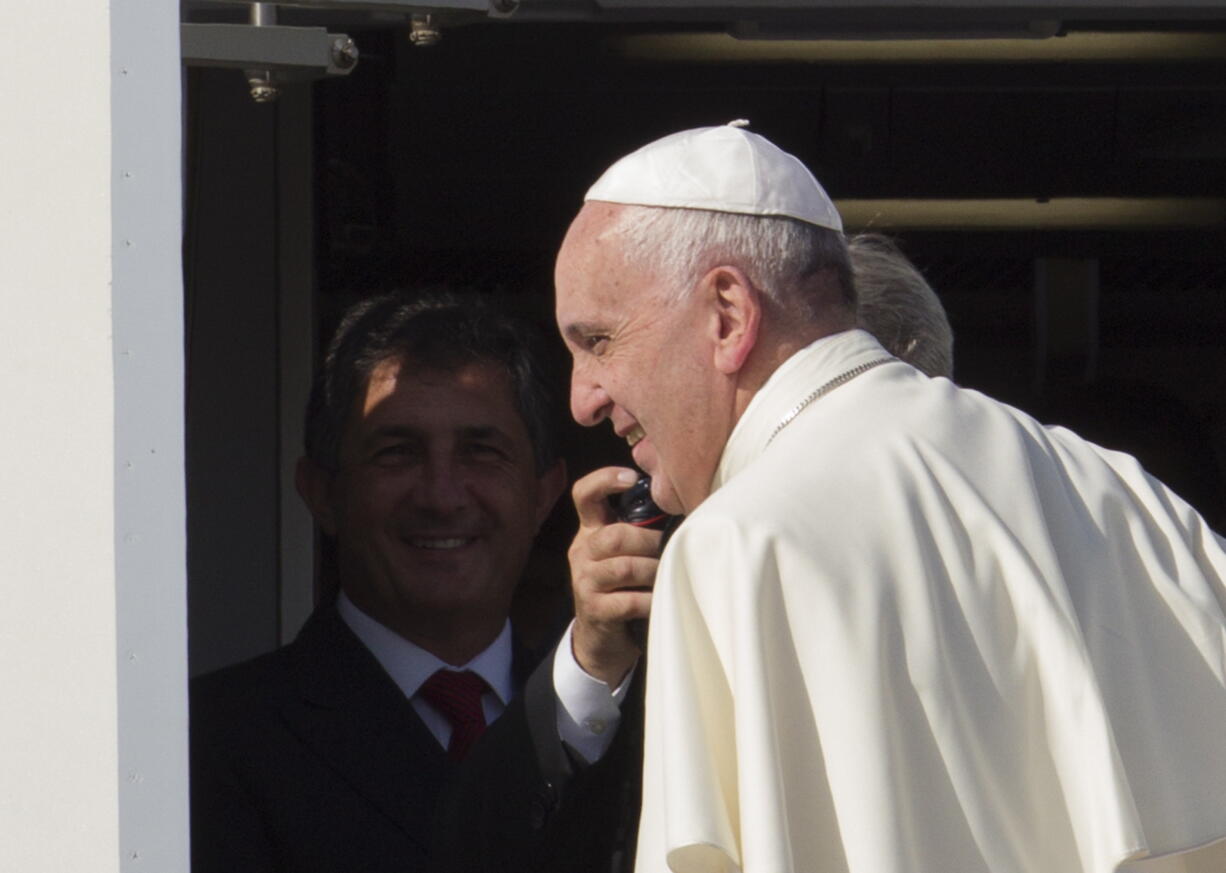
603	641
616	608
613	568
618	540
615	557
591	494
621	573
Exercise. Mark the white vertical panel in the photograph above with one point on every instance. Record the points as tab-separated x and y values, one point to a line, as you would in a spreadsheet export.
92	654
150	513
58	737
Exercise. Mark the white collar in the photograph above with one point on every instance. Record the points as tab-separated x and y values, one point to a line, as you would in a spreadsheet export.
809	368
410	665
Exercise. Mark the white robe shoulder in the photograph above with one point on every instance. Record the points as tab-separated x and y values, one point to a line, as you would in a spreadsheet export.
918	631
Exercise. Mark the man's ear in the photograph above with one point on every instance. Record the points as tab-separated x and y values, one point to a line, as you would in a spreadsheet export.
737	316
314	485
552	484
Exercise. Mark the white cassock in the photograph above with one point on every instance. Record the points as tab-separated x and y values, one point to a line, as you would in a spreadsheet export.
920	633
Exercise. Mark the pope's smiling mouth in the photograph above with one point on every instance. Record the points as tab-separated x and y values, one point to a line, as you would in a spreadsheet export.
635	435
441	543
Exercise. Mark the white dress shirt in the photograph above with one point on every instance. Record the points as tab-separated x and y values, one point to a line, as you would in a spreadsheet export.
410	666
588	710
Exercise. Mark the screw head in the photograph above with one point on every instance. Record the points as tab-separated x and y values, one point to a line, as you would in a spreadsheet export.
422	31
263	86
344	52
264	93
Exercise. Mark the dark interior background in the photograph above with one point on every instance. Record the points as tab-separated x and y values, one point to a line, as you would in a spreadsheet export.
464	161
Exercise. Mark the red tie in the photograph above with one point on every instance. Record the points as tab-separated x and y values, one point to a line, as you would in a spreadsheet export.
458	696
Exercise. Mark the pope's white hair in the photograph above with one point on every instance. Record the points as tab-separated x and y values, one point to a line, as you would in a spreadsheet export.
782	257
898	307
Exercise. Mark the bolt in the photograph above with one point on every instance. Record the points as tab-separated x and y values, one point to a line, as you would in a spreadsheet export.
262	92
344	52
263	87
422	31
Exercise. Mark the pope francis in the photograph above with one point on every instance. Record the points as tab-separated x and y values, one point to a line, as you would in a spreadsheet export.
903	628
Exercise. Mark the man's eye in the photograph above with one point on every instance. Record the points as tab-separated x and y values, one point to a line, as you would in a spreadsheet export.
393	455
485	452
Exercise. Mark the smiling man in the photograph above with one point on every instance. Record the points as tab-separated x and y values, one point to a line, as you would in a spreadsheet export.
904	627
433	503
431	463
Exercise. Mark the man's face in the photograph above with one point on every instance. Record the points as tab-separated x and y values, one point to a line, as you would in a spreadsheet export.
641	362
436	500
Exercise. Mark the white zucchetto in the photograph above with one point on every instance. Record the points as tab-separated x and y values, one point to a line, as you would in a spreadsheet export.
723	169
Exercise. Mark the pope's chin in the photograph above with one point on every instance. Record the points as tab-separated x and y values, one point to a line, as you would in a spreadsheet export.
662	491
665	497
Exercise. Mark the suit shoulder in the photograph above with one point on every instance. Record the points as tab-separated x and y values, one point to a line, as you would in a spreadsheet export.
242	689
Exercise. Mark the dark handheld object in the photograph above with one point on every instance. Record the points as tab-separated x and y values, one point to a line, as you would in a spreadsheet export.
636	507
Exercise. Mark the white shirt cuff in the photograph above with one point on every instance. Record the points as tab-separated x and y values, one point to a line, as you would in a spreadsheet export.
588	712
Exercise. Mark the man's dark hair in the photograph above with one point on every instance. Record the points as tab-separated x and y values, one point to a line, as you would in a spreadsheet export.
431	330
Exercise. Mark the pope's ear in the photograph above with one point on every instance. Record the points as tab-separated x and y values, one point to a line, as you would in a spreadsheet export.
737	316
314	485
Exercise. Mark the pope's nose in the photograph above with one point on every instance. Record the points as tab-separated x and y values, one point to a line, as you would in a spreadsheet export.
589	404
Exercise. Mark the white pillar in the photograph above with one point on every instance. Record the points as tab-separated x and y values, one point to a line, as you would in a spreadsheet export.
92	633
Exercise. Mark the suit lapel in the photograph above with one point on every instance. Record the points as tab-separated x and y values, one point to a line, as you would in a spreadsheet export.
354	717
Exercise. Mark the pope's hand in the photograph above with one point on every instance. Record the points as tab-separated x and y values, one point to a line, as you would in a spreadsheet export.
612	568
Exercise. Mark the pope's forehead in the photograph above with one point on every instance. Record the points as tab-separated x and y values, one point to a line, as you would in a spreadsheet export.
593	232
591	256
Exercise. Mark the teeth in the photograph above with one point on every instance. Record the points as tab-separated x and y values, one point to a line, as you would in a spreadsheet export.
635	435
452	543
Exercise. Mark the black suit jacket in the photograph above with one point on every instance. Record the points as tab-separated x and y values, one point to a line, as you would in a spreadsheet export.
525	803
311	760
